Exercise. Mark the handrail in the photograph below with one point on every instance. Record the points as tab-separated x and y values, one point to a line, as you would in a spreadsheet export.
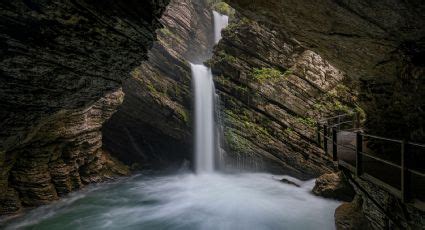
382	138
381	160
416	144
330	136
341	115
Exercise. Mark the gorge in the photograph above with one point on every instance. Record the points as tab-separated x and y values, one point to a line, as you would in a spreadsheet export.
155	115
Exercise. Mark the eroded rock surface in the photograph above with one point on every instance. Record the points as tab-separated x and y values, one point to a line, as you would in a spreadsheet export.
61	71
380	42
383	210
349	216
272	92
153	126
334	185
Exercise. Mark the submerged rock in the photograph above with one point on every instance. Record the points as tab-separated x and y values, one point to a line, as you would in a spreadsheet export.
334	185
286	181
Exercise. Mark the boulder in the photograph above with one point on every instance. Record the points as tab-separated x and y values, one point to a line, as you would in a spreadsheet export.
335	186
349	216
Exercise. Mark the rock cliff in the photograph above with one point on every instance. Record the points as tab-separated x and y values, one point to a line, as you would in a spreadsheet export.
272	92
153	126
381	43
271	95
61	71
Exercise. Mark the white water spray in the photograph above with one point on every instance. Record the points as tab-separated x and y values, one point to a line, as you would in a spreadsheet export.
204	92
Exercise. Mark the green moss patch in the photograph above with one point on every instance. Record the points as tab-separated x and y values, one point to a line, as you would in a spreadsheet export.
308	121
266	74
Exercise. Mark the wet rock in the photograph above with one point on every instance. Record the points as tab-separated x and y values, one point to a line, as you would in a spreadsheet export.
349	216
153	126
10	201
334	185
272	91
379	43
286	181
62	66
383	210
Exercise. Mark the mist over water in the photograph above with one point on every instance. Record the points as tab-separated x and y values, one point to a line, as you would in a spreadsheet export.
187	201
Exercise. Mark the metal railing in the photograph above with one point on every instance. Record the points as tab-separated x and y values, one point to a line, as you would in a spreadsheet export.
397	166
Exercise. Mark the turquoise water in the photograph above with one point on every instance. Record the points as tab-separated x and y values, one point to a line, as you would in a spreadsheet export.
187	201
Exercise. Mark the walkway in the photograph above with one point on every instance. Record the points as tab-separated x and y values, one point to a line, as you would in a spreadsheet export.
396	166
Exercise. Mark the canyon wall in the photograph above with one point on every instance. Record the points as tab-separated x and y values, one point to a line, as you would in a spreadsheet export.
381	43
268	123
153	126
272	92
62	66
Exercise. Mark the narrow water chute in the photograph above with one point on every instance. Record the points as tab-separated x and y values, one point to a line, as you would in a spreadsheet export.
204	93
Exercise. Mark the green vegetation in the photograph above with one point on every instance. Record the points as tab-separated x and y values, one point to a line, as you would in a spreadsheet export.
151	88
266	73
135	72
288	73
235	142
73	20
307	121
320	107
243	117
361	112
166	32
185	115
242	89
223	80
226	57
289	130
224	8
342	108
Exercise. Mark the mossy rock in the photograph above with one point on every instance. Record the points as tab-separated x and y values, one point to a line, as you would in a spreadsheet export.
266	74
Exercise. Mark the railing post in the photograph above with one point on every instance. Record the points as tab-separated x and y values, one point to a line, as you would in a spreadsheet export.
357	121
404	173
339	123
359	155
334	144
318	134
325	138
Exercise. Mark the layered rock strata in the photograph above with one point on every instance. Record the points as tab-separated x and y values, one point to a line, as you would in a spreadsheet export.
335	186
153	126
61	71
383	210
272	92
381	43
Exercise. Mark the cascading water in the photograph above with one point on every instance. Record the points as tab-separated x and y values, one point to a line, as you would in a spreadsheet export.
204	91
220	22
204	118
251	201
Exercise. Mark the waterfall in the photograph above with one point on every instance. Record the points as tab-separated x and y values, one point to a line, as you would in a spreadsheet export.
204	92
220	22
204	118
